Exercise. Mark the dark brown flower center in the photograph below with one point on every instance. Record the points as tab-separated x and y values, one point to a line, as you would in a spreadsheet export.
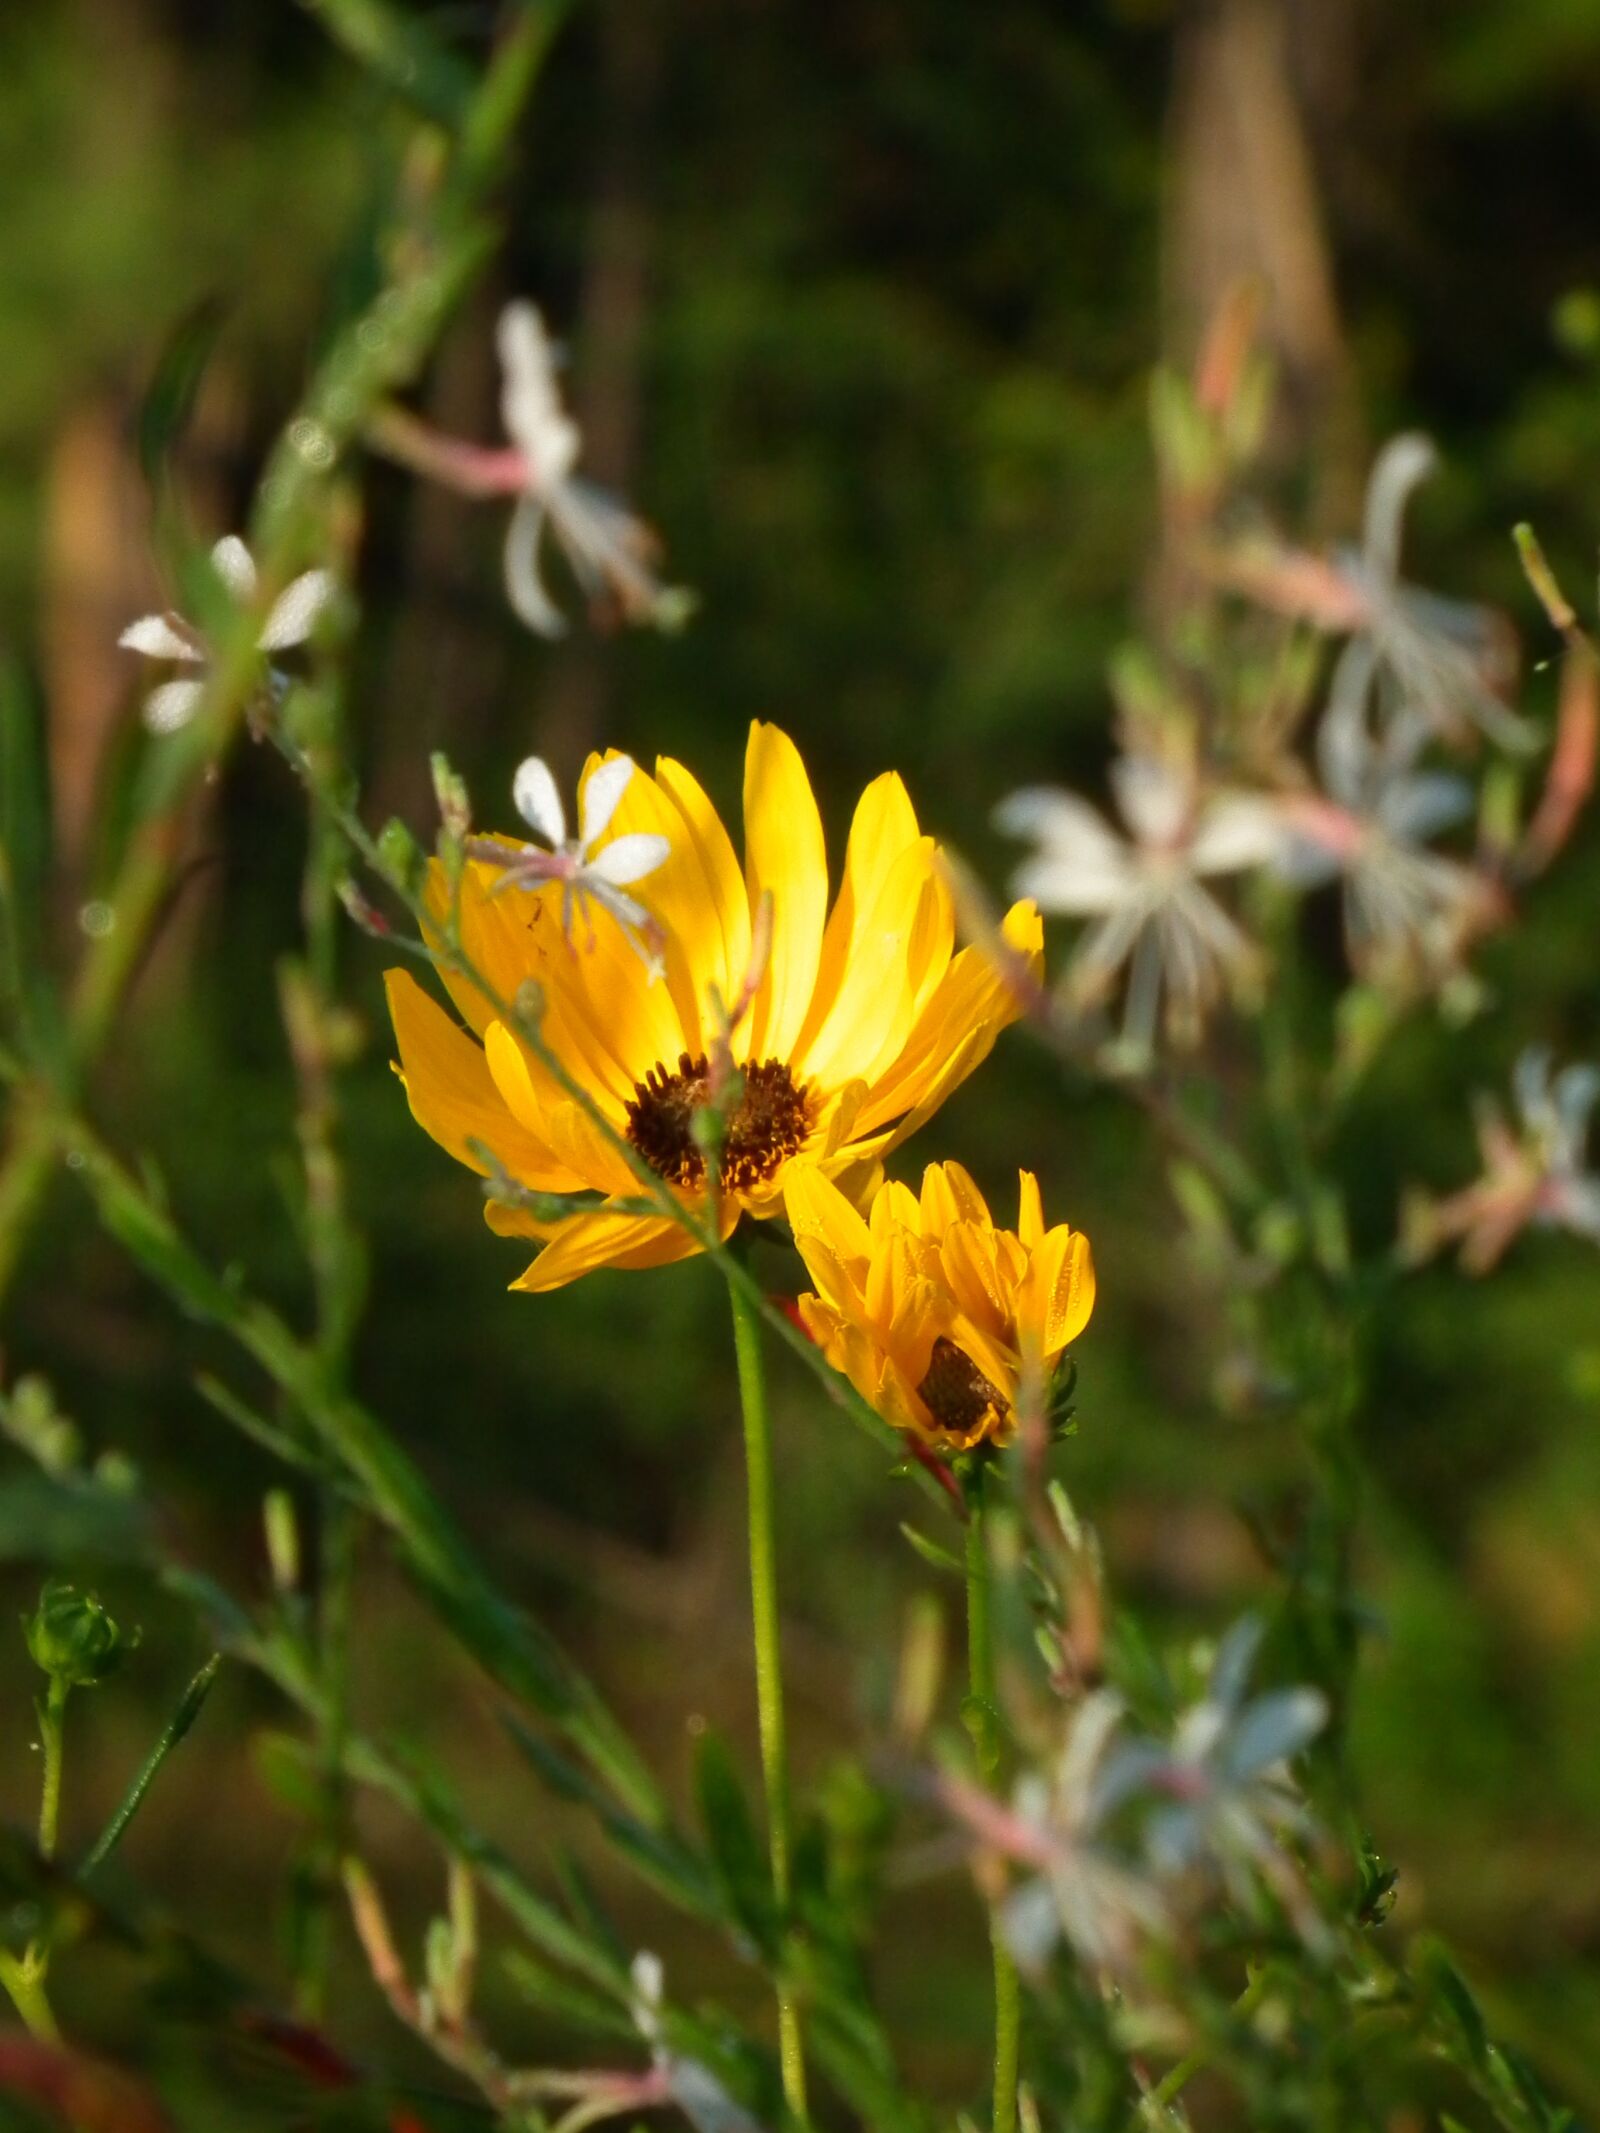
766	1127
959	1397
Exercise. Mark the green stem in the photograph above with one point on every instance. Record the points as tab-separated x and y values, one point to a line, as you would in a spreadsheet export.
1177	2078
769	1660
51	1714
984	1717
23	1980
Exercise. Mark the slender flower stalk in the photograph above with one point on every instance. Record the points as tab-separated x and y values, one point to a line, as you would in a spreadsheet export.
769	1662
981	1676
52	1731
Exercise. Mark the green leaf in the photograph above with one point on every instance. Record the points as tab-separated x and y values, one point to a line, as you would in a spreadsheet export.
25	869
660	1856
174	385
70	1518
932	1554
738	1855
290	1772
569	2004
190	1704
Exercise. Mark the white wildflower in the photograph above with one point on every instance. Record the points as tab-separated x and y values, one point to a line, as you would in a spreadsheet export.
1104	1906
584	867
610	551
290	621
1535	1170
1227	1806
1409	911
1147	892
1437	657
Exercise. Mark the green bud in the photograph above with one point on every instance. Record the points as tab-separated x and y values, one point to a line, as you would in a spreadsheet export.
71	1638
401	856
450	790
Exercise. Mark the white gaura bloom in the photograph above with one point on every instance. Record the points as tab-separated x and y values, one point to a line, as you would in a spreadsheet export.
1409	912
611	552
1442	659
584	872
1147	892
290	621
1535	1172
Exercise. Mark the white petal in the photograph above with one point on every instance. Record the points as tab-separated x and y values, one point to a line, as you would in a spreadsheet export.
157	638
1344	745
530	404
235	566
296	611
1154	800
600	796
1415	809
524	587
537	800
1056	883
628	858
1065	826
1403	462
172	705
632	916
1235	830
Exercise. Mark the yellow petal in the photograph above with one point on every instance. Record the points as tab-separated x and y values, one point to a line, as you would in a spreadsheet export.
885	824
682	896
949	1194
895	1209
605	1238
967	1257
604	1019
872	1008
453	1096
494	922
728	967
783	853
1055	1301
537	1103
973	1003
1030	1210
817	1209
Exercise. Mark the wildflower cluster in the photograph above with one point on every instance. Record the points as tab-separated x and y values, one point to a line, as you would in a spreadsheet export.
1416	691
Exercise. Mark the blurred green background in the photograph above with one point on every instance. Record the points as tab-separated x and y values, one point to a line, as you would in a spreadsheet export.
862	301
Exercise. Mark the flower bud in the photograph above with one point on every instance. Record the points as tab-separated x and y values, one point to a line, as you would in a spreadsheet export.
71	1638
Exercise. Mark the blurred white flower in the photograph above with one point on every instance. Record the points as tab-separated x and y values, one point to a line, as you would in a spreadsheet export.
1409	912
1126	1838
611	552
1103	1906
1535	1170
1444	659
1147	892
1228	1807
290	621
583	872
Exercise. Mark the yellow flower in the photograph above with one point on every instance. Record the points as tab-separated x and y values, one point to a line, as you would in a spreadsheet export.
934	1315
859	1024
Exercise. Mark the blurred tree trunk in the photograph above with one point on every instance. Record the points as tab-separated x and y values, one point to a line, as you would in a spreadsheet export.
1245	206
610	328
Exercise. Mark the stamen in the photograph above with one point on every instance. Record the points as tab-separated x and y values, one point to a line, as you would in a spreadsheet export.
770	1124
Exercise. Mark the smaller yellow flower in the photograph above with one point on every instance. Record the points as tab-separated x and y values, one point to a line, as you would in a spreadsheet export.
934	1314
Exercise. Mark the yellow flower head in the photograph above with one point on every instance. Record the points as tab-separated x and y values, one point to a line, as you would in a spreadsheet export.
934	1315
859	1023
